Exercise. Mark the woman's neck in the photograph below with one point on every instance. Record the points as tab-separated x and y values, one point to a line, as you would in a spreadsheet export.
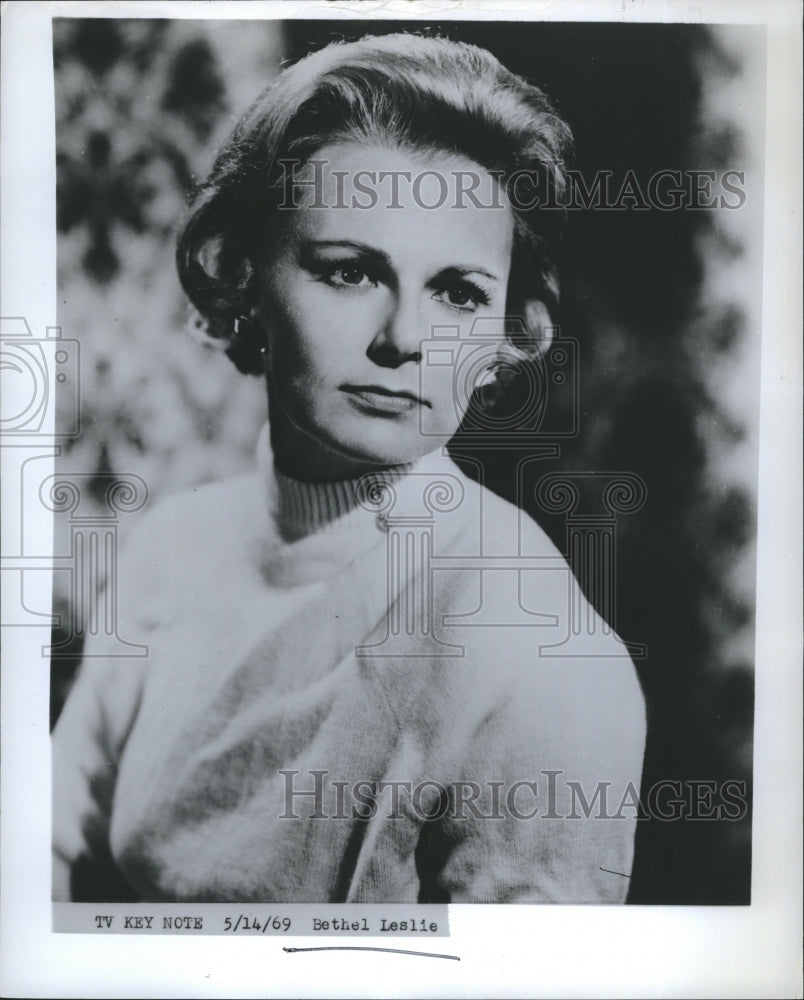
300	456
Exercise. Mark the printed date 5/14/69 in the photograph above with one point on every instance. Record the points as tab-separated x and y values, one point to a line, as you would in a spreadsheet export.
255	924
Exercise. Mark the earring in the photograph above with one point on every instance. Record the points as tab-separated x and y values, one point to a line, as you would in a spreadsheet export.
248	334
245	328
246	347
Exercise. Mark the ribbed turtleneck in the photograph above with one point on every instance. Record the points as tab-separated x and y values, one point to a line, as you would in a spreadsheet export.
303	508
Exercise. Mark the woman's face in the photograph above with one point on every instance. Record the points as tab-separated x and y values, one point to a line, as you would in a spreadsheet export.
352	295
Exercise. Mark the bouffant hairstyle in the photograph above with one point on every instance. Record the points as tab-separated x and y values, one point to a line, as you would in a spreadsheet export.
420	94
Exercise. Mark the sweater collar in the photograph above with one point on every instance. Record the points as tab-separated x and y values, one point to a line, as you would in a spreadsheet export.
301	508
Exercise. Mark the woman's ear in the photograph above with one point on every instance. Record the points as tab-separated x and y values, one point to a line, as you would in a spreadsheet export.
539	325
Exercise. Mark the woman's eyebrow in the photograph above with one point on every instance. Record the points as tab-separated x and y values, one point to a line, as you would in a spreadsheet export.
363	248
461	270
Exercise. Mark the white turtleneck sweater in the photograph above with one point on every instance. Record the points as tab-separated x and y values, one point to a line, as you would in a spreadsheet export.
371	645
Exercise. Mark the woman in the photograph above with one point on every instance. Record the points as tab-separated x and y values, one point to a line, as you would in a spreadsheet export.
340	701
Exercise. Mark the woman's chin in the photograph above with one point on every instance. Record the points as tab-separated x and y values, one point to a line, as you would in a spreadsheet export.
344	449
379	454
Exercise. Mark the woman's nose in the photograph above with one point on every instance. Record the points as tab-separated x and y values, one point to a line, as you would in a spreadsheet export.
399	336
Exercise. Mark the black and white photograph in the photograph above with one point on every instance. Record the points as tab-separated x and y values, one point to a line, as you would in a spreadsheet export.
388	493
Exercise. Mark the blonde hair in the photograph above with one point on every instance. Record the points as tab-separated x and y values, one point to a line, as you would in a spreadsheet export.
418	93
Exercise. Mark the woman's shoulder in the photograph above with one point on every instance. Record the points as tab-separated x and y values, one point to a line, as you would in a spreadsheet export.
530	638
207	500
196	522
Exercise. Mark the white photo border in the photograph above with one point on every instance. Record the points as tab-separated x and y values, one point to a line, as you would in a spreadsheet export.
504	950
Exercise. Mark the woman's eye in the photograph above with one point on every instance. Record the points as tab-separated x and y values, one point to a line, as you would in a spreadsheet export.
350	276
459	296
463	297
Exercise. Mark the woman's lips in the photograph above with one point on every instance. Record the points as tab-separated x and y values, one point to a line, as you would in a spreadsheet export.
376	397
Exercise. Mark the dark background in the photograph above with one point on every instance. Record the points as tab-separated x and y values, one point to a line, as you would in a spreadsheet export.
140	106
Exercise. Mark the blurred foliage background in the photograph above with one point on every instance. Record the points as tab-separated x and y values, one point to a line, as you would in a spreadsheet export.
663	305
